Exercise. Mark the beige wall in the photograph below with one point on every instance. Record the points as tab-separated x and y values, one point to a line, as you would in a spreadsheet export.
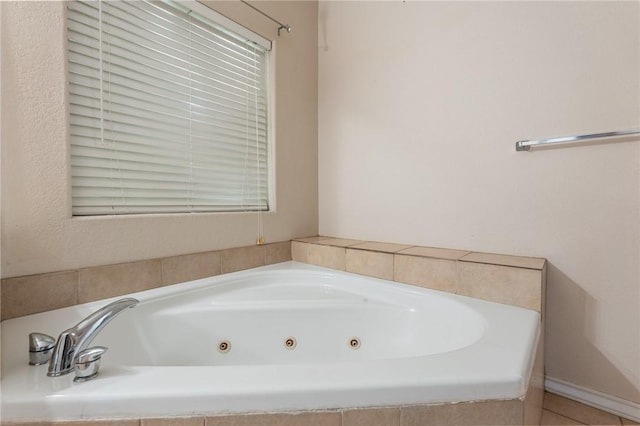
2	47
420	104
38	233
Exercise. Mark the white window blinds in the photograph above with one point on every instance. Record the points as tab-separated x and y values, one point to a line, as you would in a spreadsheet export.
168	111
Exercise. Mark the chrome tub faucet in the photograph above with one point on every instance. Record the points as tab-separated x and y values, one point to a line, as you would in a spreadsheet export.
73	342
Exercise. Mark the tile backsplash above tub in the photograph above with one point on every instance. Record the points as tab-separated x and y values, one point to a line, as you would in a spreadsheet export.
512	280
38	293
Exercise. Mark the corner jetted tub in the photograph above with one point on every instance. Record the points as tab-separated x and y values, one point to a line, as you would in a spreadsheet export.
284	337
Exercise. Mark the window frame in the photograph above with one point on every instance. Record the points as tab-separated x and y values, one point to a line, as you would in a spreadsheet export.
240	32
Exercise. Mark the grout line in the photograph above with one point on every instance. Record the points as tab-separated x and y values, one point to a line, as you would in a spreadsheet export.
456	290
162	276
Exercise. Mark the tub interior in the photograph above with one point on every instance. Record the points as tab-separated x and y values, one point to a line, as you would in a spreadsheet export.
284	319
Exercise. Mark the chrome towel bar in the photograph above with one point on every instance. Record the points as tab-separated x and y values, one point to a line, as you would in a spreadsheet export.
526	144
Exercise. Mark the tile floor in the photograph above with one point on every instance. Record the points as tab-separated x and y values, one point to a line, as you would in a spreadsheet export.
558	410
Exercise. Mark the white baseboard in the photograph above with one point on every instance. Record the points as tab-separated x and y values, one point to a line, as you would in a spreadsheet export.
612	404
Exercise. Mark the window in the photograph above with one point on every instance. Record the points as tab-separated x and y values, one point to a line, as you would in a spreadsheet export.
168	110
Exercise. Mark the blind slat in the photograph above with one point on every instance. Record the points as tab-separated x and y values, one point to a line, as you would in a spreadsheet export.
168	112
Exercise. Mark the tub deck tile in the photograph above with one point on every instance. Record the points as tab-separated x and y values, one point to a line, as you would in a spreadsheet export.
381	247
319	255
101	282
238	259
370	263
179	269
278	419
54	290
503	284
311	240
434	252
115	422
436	274
278	252
505	260
174	421
508	412
339	242
371	417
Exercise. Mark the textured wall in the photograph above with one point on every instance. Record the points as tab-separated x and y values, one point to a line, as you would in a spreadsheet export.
420	104
2	47
38	232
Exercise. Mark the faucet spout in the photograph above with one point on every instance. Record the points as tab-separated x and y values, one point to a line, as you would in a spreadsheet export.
76	339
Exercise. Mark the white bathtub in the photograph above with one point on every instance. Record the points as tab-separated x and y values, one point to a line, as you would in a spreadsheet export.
416	346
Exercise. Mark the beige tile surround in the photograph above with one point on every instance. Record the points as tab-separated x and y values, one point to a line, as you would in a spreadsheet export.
513	280
508	412
557	411
442	269
473	413
67	288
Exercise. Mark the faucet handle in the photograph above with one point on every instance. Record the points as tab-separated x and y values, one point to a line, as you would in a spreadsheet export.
87	363
40	348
